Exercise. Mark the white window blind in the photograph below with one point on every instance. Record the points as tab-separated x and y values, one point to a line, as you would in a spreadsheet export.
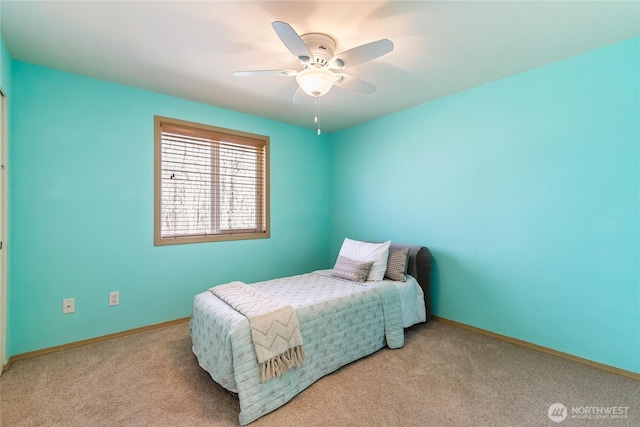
213	184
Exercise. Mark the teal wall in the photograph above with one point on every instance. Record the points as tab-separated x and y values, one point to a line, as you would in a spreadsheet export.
527	192
526	189
81	210
5	68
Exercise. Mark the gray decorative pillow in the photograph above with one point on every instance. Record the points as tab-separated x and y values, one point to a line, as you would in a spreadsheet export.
350	269
397	265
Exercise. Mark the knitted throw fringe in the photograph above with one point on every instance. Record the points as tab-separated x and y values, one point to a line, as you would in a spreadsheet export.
281	363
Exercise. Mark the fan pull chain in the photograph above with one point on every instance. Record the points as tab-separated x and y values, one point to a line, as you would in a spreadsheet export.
317	115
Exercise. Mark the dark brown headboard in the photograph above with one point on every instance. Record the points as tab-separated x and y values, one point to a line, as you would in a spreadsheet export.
420	268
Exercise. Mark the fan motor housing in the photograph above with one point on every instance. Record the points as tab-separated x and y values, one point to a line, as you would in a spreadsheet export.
321	46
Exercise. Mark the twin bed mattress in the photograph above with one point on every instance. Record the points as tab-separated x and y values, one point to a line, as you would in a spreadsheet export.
340	321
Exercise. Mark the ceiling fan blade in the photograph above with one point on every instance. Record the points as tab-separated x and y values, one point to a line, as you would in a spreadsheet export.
361	54
284	73
355	84
291	40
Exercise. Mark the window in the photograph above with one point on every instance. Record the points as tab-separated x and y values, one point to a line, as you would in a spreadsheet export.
211	184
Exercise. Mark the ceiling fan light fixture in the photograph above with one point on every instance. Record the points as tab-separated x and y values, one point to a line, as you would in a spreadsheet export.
316	81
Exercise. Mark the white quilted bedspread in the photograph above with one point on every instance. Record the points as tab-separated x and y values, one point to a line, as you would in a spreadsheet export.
340	321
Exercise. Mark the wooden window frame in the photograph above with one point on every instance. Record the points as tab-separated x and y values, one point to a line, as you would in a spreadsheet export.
217	135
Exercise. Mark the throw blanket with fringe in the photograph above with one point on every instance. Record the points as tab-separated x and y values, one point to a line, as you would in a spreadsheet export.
274	327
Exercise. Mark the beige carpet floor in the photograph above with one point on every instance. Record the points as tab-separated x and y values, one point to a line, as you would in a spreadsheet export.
444	376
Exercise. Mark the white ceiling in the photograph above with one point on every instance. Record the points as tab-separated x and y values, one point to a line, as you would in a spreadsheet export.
190	49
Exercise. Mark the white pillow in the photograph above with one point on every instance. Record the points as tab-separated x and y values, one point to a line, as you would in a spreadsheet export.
362	251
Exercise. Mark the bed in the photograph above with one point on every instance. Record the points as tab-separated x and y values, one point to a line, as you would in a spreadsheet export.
340	320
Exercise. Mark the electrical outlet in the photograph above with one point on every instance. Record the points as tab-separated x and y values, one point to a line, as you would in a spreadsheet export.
68	305
114	298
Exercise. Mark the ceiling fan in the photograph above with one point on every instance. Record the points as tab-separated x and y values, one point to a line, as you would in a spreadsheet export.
320	66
